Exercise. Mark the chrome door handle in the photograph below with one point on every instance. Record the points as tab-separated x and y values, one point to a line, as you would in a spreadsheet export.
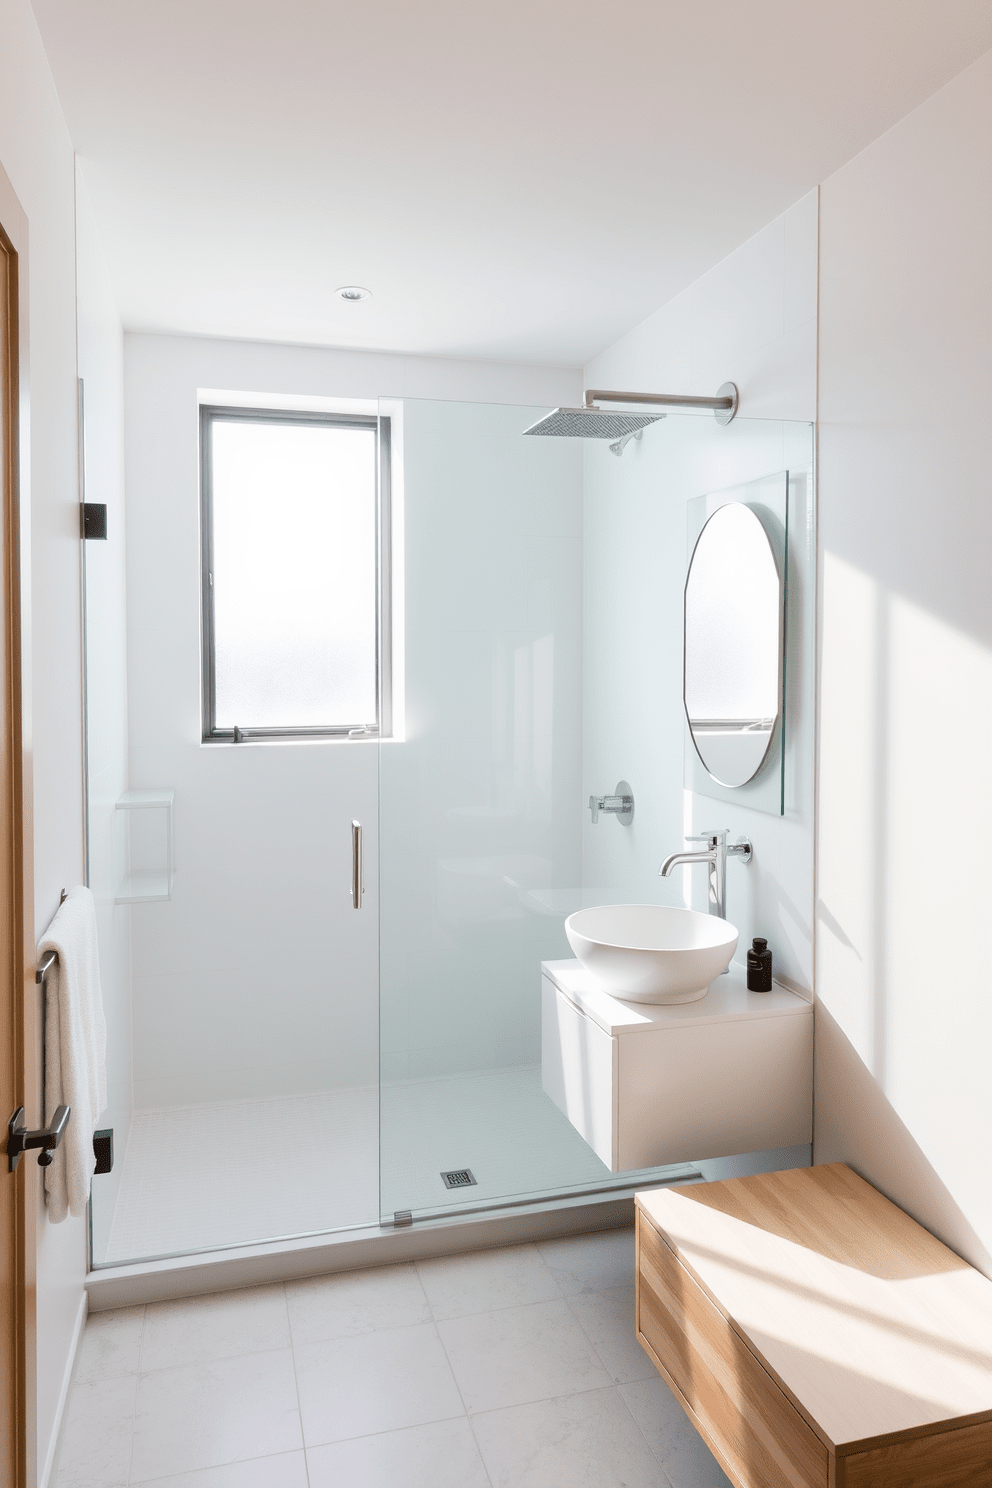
48	1138
357	866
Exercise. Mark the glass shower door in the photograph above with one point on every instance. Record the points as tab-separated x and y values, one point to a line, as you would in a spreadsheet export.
480	821
242	999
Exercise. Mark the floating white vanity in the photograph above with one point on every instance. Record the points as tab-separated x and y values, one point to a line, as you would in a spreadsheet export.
648	1084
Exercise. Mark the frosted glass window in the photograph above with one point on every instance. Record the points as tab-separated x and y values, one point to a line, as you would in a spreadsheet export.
290	574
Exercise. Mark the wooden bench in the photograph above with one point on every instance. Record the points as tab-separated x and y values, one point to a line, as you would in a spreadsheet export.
815	1334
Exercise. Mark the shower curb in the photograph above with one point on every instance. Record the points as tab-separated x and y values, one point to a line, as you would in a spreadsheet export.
287	1260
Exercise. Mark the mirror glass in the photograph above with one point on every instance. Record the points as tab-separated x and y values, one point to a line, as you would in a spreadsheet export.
733	644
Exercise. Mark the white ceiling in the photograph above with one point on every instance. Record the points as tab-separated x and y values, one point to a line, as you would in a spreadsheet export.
522	181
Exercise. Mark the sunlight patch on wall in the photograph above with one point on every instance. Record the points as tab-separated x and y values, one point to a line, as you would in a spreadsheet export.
905	867
938	852
848	704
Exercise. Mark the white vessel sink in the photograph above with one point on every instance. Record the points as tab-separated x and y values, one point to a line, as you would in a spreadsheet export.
651	953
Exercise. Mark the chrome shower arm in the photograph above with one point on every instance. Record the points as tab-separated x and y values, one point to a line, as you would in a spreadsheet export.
725	402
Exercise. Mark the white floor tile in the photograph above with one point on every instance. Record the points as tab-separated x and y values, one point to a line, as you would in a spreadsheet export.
679	1448
210	1414
580	1441
486	1279
441	1455
197	1329
379	1381
96	1437
354	1302
608	1320
110	1344
591	1263
288	1470
221	1399
520	1353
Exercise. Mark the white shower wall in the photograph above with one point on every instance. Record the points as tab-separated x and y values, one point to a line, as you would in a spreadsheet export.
238	990
750	320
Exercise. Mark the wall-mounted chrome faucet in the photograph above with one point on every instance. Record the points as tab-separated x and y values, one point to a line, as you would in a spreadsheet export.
715	856
620	804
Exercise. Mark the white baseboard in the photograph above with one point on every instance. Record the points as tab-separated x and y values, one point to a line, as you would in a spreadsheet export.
53	1445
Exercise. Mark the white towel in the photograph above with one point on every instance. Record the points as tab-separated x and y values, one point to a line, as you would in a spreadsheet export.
75	1050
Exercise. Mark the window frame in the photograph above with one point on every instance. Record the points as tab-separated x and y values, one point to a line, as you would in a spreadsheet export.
211	413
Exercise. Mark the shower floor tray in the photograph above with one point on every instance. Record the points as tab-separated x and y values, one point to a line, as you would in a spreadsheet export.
209	1176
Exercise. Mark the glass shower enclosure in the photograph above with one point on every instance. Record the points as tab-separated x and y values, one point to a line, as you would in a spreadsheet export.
295	1065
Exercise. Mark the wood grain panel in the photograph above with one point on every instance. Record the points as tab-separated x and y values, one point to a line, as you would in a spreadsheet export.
758	1432
952	1459
871	1327
18	1191
11	1230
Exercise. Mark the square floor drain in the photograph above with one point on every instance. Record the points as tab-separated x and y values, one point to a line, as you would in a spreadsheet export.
458	1178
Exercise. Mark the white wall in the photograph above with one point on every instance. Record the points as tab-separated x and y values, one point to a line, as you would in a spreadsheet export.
232	993
750	320
101	367
36	153
904	1023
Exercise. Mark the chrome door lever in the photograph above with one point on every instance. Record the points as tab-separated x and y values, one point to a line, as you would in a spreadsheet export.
357	866
20	1140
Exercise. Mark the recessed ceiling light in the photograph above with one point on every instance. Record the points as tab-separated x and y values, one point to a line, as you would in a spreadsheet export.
353	292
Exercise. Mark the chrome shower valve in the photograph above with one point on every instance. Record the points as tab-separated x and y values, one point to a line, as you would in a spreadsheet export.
620	804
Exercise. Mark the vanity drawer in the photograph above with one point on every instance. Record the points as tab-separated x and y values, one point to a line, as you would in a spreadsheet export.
679	1084
757	1433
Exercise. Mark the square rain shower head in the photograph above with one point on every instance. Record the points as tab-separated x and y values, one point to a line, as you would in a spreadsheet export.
591	423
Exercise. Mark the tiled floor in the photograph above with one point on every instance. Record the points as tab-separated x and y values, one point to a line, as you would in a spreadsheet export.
512	1368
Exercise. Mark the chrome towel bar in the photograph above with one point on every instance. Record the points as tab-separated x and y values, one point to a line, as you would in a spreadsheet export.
46	1138
44	966
49	959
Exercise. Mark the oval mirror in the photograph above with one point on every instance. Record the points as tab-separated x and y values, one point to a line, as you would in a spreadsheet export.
733	644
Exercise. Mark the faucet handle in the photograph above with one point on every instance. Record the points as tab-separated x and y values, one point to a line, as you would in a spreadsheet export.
741	849
713	838
620	804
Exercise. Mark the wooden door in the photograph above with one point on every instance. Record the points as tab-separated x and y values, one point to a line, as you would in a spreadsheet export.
19	1023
